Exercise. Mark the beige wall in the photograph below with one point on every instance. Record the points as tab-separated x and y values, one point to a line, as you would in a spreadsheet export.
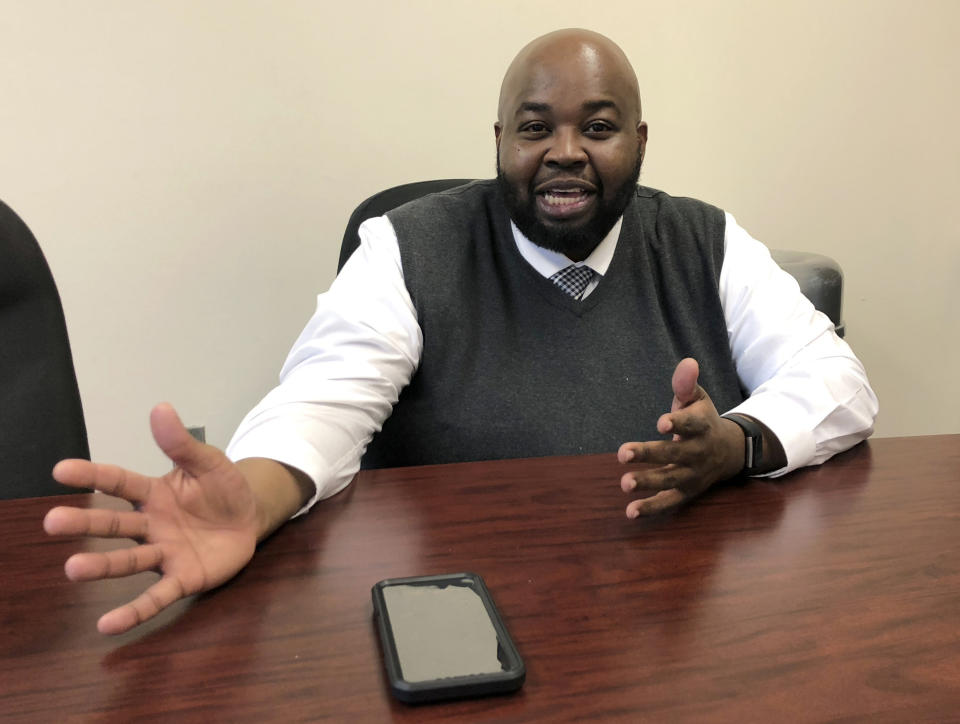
189	166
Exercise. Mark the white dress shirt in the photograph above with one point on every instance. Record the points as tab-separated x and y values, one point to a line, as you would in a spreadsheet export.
363	344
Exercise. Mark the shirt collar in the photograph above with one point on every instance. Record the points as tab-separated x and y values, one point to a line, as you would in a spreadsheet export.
548	263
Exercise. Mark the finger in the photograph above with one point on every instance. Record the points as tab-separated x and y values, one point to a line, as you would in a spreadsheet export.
665	423
113	564
148	604
179	445
627	451
95	522
664	500
633	481
684	383
657	452
663	477
686	423
108	479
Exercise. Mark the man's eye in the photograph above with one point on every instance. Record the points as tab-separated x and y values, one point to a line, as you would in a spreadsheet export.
535	128
599	127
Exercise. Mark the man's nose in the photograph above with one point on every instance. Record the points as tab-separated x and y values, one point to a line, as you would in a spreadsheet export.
566	149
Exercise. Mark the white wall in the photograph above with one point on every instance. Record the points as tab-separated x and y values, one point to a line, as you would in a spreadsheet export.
189	166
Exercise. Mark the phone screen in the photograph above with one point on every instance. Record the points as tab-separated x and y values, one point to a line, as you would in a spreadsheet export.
443	637
441	630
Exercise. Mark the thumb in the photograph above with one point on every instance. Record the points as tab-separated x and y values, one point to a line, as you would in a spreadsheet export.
685	388
179	445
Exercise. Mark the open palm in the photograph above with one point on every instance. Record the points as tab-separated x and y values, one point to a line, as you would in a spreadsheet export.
196	525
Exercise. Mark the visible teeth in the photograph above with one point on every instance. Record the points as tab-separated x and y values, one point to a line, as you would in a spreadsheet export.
563	200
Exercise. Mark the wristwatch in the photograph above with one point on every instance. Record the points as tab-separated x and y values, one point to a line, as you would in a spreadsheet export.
753	443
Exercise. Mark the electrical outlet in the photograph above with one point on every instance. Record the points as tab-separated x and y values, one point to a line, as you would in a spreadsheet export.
199	433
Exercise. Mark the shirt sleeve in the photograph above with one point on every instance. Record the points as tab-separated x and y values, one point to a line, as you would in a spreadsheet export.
805	383
344	373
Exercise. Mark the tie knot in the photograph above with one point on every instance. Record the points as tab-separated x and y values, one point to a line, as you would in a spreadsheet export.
573	279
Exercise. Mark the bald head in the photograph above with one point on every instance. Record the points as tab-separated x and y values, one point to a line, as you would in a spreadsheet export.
549	58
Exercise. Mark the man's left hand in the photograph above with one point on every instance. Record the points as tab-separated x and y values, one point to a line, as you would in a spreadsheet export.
705	448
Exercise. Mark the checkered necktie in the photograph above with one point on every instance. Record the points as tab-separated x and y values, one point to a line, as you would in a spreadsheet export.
573	279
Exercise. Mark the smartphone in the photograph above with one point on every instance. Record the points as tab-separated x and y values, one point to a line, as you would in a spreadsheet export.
443	638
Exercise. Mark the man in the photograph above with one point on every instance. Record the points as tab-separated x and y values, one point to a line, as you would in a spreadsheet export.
459	313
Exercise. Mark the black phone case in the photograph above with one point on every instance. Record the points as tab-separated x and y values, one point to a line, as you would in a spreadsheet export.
509	679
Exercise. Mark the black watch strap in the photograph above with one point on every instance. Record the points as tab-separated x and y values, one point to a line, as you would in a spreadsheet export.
753	443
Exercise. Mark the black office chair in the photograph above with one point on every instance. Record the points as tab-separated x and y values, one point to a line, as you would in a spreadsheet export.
41	418
387	200
820	277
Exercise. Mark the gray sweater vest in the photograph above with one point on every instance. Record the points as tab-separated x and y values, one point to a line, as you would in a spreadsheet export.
513	367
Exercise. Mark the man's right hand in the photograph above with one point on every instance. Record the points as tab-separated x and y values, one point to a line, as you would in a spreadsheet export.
198	525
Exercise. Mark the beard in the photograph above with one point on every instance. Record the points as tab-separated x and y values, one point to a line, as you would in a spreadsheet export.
573	241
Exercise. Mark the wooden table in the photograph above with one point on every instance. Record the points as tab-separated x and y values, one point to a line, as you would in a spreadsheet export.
833	594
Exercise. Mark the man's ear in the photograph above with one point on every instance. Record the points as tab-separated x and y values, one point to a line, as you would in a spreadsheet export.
497	130
642	137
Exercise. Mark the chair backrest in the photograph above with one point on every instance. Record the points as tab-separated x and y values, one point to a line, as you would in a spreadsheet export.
384	201
820	277
41	418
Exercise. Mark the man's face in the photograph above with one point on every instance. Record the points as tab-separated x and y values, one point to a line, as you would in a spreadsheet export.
569	148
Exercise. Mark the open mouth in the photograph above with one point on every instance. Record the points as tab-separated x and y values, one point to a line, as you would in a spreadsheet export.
562	202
